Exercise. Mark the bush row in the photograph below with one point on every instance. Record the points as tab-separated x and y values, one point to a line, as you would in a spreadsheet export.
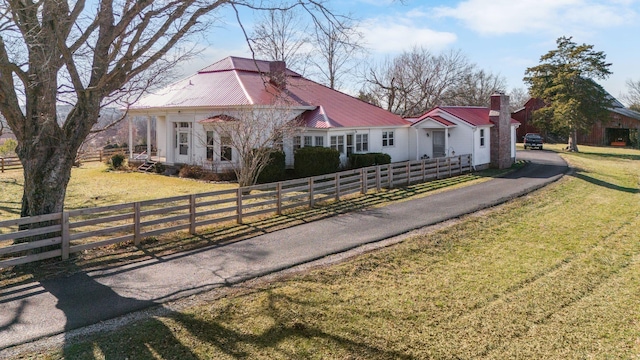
357	161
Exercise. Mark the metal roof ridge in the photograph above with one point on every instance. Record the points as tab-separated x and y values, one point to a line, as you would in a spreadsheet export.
323	112
244	89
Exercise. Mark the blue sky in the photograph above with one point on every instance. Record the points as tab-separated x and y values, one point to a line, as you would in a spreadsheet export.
502	36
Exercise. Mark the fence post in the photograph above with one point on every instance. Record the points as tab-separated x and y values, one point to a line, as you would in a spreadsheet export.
424	171
100	155
2	161
136	223
460	164
449	165
408	173
279	198
390	177
378	180
239	206
437	168
337	186
364	175
312	199
64	221
192	214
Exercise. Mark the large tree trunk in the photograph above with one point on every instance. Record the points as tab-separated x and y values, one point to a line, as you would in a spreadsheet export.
573	141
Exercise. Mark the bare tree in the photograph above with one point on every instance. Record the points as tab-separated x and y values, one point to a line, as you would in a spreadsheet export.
247	138
633	96
279	35
337	46
416	80
55	51
517	98
474	89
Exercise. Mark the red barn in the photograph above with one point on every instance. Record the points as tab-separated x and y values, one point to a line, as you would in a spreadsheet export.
622	128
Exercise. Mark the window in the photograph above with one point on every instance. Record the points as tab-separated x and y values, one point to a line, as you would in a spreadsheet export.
320	141
362	142
308	141
297	143
387	138
183	143
337	142
481	137
225	148
210	147
349	144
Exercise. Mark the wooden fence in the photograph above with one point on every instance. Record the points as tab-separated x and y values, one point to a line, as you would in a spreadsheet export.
78	230
13	162
9	163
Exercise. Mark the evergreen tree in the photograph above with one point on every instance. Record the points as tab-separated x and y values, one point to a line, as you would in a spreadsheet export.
564	81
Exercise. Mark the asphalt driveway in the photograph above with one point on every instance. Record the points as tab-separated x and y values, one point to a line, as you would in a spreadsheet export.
46	308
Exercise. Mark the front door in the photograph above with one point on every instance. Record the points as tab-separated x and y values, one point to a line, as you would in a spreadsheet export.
438	144
183	142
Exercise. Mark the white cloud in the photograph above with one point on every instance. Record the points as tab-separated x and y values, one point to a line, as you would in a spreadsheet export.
497	17
383	35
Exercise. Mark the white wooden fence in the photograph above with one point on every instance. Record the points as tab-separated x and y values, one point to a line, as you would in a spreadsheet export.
78	230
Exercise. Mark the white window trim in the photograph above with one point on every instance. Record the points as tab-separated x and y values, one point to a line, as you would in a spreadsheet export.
389	136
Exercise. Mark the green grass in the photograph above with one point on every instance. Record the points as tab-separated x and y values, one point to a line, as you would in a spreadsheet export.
555	274
92	185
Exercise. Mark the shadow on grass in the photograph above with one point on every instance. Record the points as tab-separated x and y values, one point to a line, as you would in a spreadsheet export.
602	183
609	155
286	335
89	302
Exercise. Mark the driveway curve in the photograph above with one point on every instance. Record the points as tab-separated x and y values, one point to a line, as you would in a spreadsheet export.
41	309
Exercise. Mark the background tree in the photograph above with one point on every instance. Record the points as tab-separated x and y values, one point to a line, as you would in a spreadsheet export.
564	81
632	98
336	49
517	98
279	35
417	80
474	89
250	136
60	52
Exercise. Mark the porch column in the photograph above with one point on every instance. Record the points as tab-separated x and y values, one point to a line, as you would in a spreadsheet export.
148	137
446	141
130	144
417	143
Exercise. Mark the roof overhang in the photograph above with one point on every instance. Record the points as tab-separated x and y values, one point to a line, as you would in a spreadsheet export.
434	122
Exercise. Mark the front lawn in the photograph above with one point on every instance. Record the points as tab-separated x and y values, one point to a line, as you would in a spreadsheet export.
92	185
555	274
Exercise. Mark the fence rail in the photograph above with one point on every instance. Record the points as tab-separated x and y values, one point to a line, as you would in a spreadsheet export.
13	162
62	234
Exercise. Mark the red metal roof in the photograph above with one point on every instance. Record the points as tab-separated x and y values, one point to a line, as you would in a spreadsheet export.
474	115
218	119
239	82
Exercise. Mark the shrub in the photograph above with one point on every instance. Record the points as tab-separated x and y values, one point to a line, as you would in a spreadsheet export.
160	168
192	172
117	161
275	170
312	161
357	161
8	148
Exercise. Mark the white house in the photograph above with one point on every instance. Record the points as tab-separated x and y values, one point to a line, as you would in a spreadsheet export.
451	130
185	110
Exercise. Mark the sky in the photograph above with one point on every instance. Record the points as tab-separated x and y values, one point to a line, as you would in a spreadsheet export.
502	36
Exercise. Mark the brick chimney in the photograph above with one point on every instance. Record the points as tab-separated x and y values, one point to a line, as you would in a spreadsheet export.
278	74
500	116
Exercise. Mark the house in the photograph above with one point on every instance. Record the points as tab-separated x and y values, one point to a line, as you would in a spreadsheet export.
186	110
621	128
488	134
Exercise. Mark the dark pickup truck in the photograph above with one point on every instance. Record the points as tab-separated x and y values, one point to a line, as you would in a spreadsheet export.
533	141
